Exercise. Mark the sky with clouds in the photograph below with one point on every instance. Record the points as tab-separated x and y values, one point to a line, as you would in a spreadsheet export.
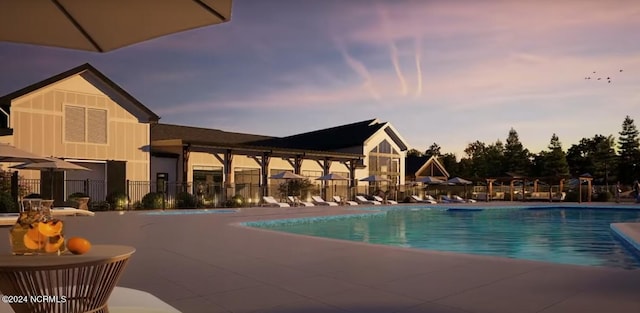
449	72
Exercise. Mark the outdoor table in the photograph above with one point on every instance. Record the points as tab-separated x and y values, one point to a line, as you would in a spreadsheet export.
63	283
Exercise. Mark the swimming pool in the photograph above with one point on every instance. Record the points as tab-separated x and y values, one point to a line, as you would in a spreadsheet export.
579	236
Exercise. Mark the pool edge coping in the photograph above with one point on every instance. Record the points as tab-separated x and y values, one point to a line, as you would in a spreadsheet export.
628	233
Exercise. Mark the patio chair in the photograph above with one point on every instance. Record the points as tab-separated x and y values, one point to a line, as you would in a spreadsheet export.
134	300
65	211
339	200
457	198
319	201
379	199
446	199
363	200
420	200
295	201
270	201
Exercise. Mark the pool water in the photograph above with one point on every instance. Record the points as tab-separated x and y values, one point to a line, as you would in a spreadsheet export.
563	235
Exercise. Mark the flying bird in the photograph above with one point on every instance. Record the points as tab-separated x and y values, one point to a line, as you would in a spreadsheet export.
620	70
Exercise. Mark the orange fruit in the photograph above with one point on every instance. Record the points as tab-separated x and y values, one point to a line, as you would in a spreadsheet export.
50	228
34	234
31	244
78	245
54	244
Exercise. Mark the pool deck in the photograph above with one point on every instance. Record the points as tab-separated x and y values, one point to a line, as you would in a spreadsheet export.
209	263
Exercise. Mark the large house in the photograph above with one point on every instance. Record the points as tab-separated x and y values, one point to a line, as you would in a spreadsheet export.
85	118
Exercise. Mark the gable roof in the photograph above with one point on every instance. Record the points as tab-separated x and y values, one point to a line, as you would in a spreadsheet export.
5	101
415	165
333	138
201	135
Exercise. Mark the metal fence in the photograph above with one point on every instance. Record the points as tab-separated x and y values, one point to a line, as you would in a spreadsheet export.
215	194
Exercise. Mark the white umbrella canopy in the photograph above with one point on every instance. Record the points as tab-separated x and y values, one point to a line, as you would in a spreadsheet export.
430	180
374	178
51	165
102	26
286	175
458	181
9	153
332	176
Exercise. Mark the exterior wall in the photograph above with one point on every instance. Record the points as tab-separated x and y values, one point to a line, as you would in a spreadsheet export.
371	143
38	120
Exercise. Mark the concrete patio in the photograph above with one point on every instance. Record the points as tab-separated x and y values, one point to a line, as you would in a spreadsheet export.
207	263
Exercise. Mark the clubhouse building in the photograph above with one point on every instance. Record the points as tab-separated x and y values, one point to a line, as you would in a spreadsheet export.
83	117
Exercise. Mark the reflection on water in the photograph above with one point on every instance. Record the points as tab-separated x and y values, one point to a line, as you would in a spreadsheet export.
573	236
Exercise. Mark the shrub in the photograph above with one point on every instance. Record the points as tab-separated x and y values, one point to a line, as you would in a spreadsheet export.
235	202
76	195
100	206
295	187
602	196
7	204
153	200
117	200
572	196
185	200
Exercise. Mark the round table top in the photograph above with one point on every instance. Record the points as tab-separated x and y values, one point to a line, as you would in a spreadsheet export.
97	254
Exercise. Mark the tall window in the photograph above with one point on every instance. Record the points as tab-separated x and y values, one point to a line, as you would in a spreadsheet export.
85	125
384	160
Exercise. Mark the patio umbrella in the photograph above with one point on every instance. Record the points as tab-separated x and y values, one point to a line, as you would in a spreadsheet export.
288	176
51	165
332	176
375	179
430	180
459	181
104	25
9	153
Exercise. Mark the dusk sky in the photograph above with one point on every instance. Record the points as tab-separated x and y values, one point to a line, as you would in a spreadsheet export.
449	72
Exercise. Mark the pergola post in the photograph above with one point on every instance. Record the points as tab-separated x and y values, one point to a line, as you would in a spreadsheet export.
490	182
228	178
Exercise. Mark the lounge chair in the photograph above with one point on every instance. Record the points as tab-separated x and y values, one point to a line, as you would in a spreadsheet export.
446	199
457	198
379	199
420	200
270	201
339	200
297	202
132	300
8	219
363	200
319	201
65	211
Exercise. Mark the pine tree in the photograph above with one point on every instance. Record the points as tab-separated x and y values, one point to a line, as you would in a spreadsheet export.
629	158
516	157
555	161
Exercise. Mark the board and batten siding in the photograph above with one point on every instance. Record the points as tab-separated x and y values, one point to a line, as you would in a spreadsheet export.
38	120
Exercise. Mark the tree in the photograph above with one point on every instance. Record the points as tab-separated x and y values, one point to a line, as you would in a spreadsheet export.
414	153
555	161
516	157
595	156
450	163
434	150
628	145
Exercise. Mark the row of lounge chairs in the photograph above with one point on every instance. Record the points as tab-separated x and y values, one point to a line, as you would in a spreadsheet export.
443	199
319	201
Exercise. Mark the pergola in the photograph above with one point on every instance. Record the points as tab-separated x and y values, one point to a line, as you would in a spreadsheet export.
262	155
512	178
